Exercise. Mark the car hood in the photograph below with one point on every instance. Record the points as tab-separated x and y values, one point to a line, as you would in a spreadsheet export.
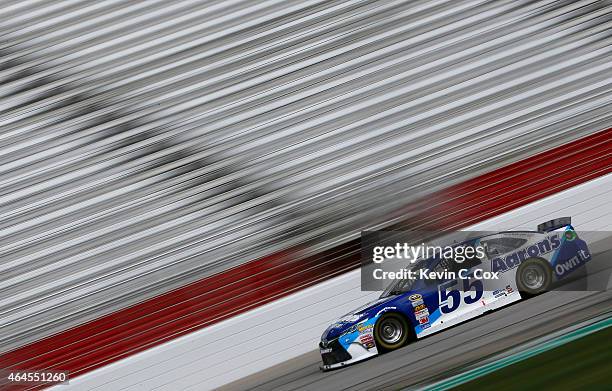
347	321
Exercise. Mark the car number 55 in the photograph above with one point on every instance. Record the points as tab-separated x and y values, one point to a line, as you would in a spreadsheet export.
472	293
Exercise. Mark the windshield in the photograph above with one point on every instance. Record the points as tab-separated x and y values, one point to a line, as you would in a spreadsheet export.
403	285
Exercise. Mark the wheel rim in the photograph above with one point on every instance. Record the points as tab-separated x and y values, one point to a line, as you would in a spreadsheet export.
391	331
533	277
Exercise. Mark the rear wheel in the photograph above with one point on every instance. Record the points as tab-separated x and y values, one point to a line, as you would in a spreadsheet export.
534	276
391	331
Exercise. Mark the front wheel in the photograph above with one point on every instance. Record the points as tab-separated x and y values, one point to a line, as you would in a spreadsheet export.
534	276
391	331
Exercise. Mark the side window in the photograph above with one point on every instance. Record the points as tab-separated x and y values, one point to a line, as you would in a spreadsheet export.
498	246
469	258
443	265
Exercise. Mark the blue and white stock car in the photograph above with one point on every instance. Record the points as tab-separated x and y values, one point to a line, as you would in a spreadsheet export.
527	263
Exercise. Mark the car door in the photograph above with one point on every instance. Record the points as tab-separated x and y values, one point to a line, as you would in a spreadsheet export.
501	291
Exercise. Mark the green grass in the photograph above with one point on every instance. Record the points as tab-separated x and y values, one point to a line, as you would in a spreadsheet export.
584	364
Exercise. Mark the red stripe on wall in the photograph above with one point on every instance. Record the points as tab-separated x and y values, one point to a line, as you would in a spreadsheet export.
255	283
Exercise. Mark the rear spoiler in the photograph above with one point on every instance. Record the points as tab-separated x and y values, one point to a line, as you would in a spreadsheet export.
555	224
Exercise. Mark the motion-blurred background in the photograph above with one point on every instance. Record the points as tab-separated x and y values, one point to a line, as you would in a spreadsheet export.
149	145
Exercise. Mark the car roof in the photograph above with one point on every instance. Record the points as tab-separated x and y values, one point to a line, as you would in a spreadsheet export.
495	233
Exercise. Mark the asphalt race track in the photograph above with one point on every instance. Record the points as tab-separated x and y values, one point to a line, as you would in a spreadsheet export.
444	352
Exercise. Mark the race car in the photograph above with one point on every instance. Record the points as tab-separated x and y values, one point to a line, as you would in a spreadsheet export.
525	263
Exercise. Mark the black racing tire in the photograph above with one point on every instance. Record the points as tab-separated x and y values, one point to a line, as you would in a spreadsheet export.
391	332
534	276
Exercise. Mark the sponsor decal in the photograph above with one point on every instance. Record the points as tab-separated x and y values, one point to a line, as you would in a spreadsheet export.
364	328
327	350
421	314
367	340
415	297
416	300
499	293
512	260
417	303
571	264
509	289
